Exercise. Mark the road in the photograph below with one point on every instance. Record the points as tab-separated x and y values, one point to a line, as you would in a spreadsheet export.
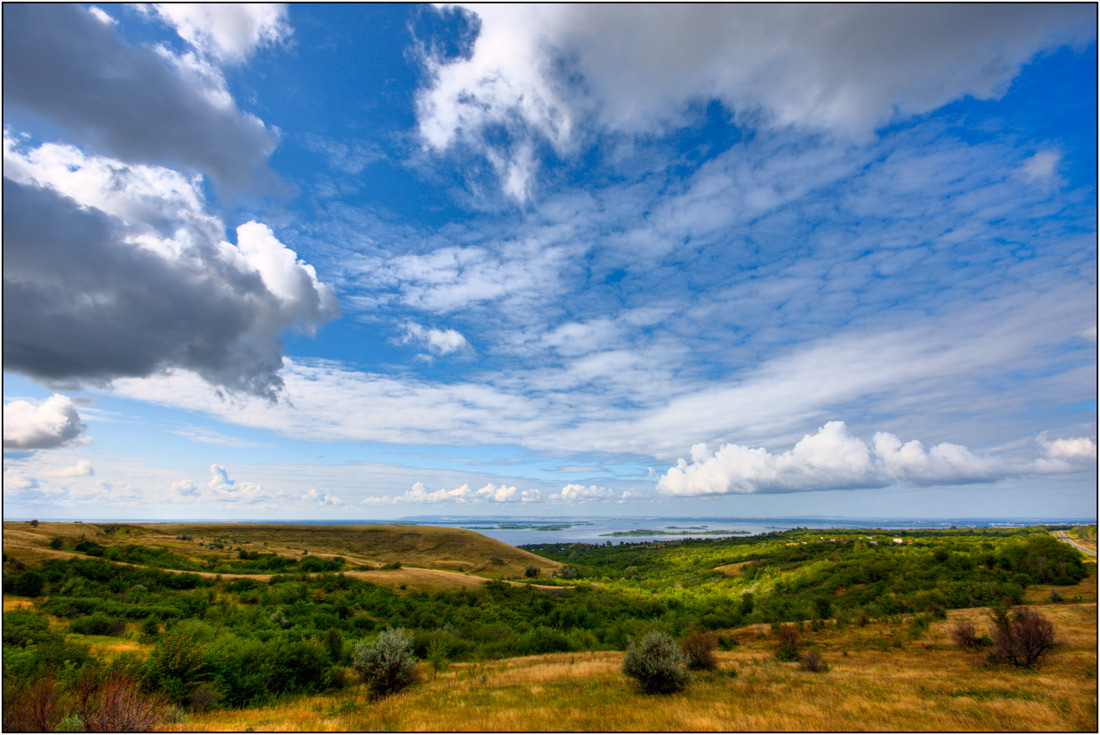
1079	547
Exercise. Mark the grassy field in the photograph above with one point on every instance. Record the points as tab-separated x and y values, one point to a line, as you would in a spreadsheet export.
881	678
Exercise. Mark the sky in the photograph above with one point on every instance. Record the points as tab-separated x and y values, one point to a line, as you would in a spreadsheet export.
372	261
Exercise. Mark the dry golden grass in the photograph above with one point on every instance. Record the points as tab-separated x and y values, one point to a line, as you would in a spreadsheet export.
916	684
732	570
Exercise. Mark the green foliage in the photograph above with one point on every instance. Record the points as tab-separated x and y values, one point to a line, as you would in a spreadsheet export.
531	571
28	584
57	542
24	627
657	663
179	662
97	624
387	665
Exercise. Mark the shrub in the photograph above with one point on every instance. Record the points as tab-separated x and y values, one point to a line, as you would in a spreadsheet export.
387	665
116	704
657	663
97	624
938	612
1056	596
496	561
57	542
178	663
965	635
531	571
786	638
699	650
1022	639
38	707
334	645
812	662
203	697
28	584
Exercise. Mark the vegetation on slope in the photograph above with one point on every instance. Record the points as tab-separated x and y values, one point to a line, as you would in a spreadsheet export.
242	640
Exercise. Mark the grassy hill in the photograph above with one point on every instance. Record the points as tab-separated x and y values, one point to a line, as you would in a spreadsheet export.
451	553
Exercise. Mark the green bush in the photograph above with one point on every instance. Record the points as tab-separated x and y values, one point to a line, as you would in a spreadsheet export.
387	665
531	571
657	663
97	624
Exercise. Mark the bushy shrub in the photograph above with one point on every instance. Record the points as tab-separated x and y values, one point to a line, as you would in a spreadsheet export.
531	571
812	662
387	665
23	627
657	663
937	611
57	542
699	650
786	643
35	707
1056	596
28	584
1023	638
115	703
97	624
178	663
965	634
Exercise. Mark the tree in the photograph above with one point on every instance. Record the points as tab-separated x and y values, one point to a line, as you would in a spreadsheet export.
387	665
657	663
1022	639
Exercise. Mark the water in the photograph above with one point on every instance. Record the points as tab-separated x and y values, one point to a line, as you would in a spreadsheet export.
595	530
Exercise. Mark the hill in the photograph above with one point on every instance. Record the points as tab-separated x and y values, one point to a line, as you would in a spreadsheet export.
427	556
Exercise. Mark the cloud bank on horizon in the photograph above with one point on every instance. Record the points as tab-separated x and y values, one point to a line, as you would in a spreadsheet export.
545	256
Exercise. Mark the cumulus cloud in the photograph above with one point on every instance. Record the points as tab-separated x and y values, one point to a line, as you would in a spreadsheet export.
51	424
438	341
139	105
230	491
313	496
535	72
833	459
228	32
83	468
1079	448
137	244
585	493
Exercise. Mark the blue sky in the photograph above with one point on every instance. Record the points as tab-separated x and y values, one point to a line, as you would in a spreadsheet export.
370	261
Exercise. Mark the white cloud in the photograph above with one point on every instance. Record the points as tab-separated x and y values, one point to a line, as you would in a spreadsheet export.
586	493
51	424
462	494
313	496
102	16
1072	449
83	468
438	341
833	459
1042	168
223	489
845	69
229	32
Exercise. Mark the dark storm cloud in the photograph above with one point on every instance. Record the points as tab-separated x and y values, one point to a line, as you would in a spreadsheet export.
64	65
80	303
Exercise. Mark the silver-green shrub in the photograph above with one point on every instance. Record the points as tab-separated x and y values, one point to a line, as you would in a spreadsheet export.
387	665
657	663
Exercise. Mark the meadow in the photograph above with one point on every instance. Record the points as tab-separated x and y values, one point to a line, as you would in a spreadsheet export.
235	627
